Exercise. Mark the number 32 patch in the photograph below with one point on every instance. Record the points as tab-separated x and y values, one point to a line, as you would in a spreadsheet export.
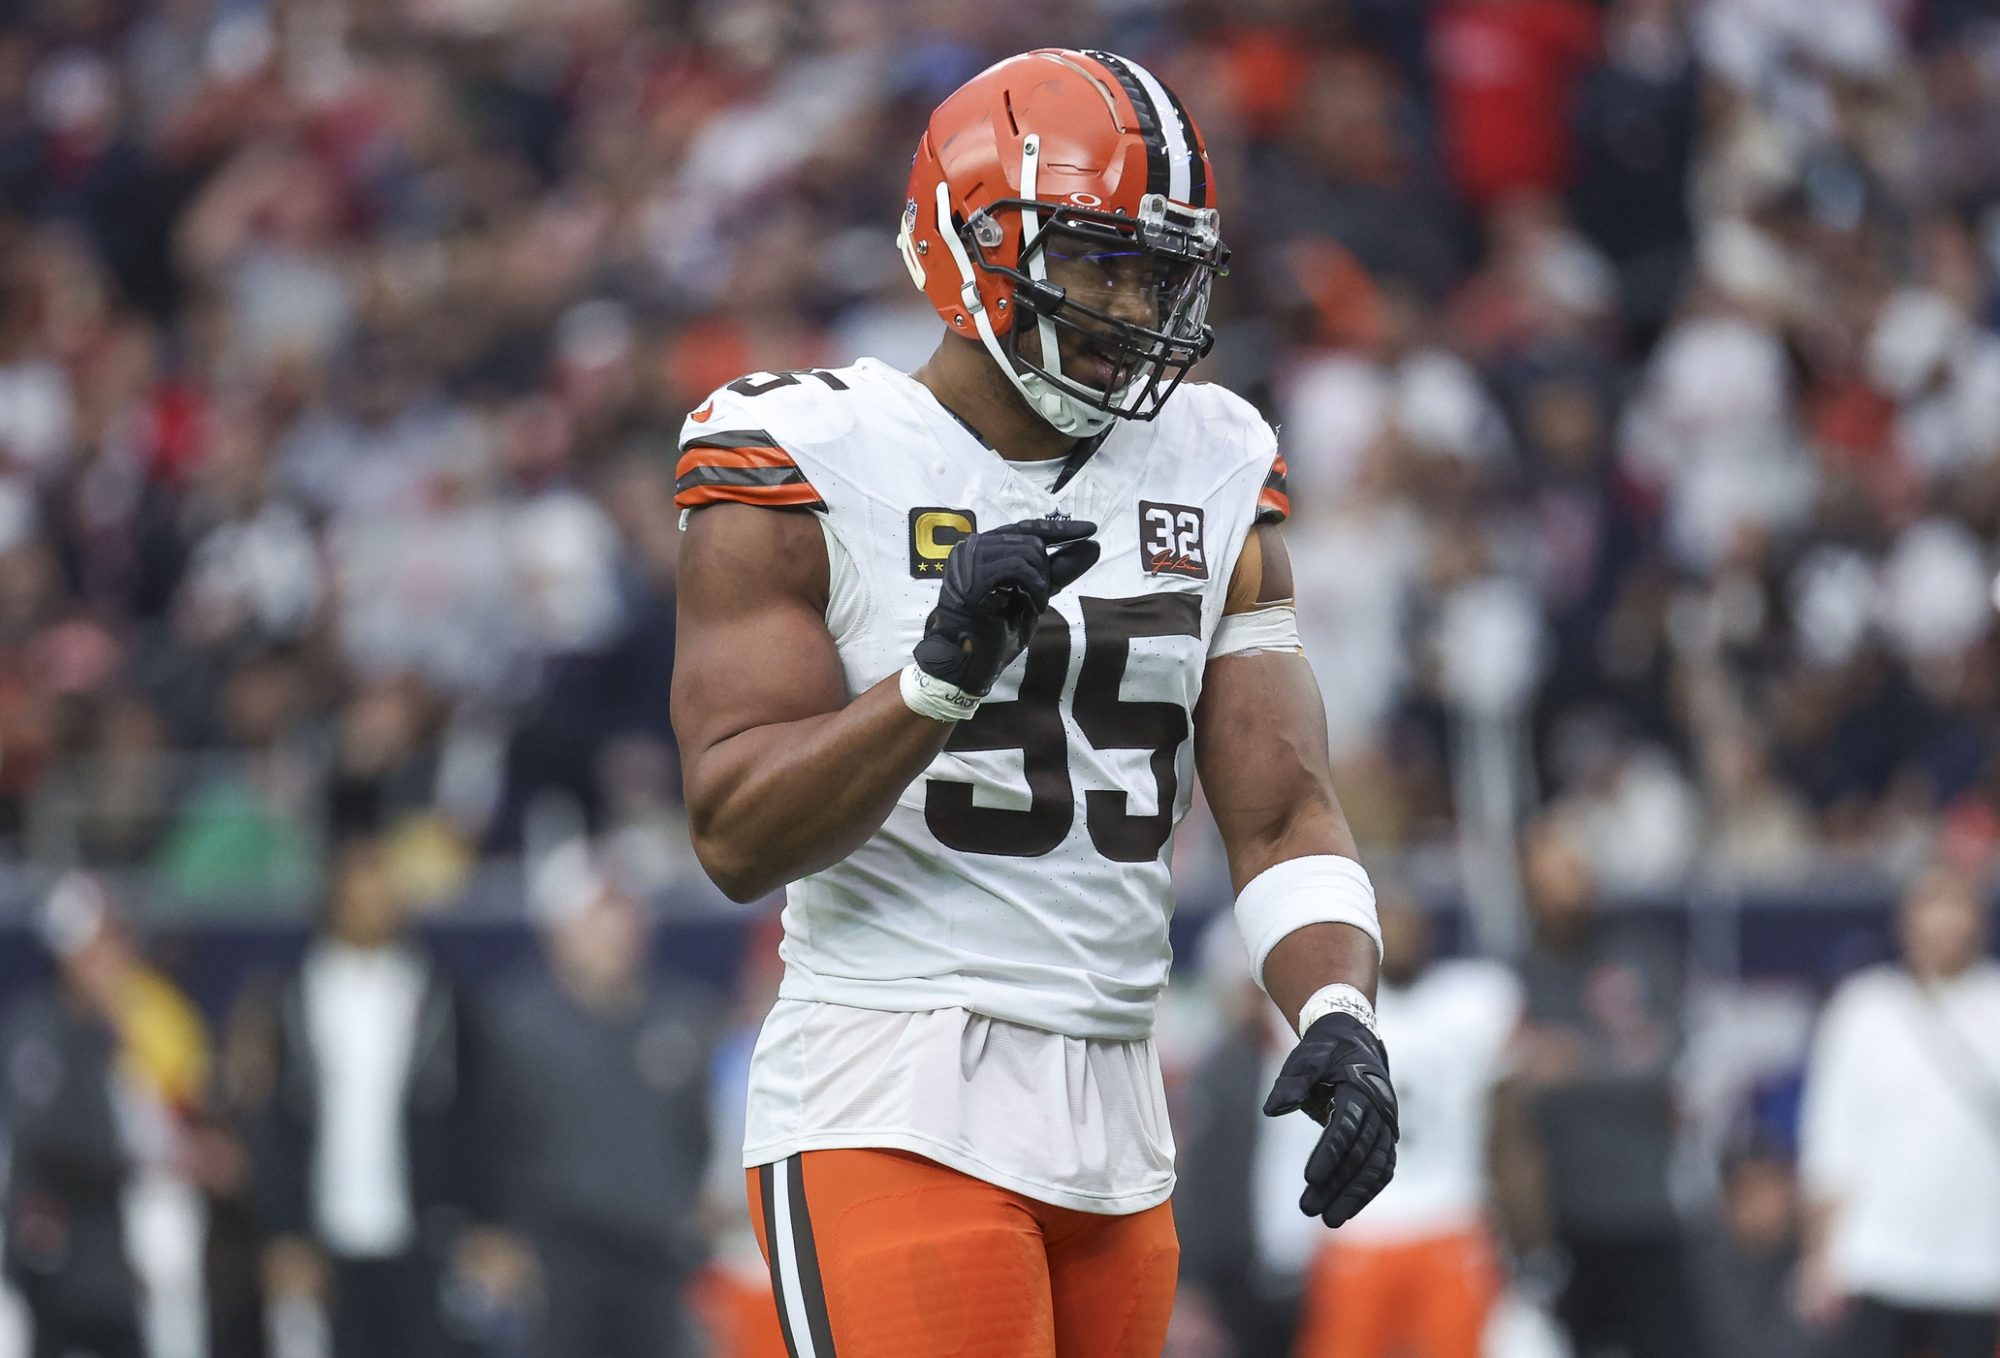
1170	540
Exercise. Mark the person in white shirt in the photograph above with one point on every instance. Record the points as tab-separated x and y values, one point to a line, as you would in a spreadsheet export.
373	1165
1900	1142
1415	1274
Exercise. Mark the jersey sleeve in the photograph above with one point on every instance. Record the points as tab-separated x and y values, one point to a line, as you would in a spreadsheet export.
741	466
1274	501
728	458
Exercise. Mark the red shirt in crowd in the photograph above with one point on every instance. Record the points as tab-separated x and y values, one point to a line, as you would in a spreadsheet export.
1504	71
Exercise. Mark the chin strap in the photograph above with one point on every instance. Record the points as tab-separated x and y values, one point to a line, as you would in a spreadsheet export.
1038	269
1065	413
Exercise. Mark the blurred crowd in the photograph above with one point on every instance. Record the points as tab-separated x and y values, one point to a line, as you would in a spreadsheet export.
1599	1160
384	1151
1638	367
1635	363
372	1158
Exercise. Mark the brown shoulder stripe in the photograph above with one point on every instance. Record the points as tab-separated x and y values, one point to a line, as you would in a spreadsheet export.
729	438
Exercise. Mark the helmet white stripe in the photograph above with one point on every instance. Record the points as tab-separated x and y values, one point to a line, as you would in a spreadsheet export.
1180	154
1038	265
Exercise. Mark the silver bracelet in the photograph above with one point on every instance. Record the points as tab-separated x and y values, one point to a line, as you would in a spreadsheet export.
1338	998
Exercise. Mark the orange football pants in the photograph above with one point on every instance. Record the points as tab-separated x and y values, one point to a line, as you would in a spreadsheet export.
735	1310
1422	1298
884	1254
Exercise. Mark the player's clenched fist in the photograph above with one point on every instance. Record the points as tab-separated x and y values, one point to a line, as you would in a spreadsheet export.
996	584
1339	1074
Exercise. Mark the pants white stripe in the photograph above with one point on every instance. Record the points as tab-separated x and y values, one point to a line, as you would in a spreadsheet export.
785	1249
1180	158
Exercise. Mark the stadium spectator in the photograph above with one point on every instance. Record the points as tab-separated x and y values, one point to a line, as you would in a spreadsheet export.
604	1141
732	1295
1416	1274
1593	1081
1506	72
1901	1142
330	334
105	1071
239	1323
1636	129
1745	1266
374	1165
1245	1249
327	353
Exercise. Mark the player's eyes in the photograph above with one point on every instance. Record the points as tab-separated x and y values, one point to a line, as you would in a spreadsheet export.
1123	275
1111	274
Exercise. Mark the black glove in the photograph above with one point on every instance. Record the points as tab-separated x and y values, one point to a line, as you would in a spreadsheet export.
1339	1073
996	584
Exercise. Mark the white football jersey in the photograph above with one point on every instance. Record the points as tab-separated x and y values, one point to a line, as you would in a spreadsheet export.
1024	875
1447	1034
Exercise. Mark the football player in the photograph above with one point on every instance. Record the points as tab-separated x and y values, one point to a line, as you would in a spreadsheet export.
952	646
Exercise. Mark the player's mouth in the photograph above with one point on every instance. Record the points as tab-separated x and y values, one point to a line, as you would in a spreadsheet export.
1095	371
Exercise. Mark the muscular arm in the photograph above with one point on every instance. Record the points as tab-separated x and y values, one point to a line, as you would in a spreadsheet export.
1261	750
783	774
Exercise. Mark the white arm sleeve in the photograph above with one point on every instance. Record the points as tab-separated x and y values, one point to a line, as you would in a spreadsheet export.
1272	627
1320	888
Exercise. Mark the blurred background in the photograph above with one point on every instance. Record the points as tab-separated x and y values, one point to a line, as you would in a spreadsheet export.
1638	367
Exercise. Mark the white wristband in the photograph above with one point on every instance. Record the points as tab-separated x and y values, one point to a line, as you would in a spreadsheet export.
1342	998
1321	888
929	696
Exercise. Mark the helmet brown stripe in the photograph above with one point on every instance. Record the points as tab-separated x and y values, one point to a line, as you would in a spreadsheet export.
1158	172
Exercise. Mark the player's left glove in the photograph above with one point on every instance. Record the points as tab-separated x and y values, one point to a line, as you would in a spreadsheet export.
1339	1074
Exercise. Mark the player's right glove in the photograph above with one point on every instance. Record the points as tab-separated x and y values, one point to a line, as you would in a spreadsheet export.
996	584
1339	1074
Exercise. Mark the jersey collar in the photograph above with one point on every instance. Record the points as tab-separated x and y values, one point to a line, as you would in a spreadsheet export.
1074	463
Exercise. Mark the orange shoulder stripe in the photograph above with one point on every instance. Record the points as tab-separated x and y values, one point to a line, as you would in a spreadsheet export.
798	496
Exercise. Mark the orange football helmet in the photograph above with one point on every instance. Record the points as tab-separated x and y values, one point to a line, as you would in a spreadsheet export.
1091	150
